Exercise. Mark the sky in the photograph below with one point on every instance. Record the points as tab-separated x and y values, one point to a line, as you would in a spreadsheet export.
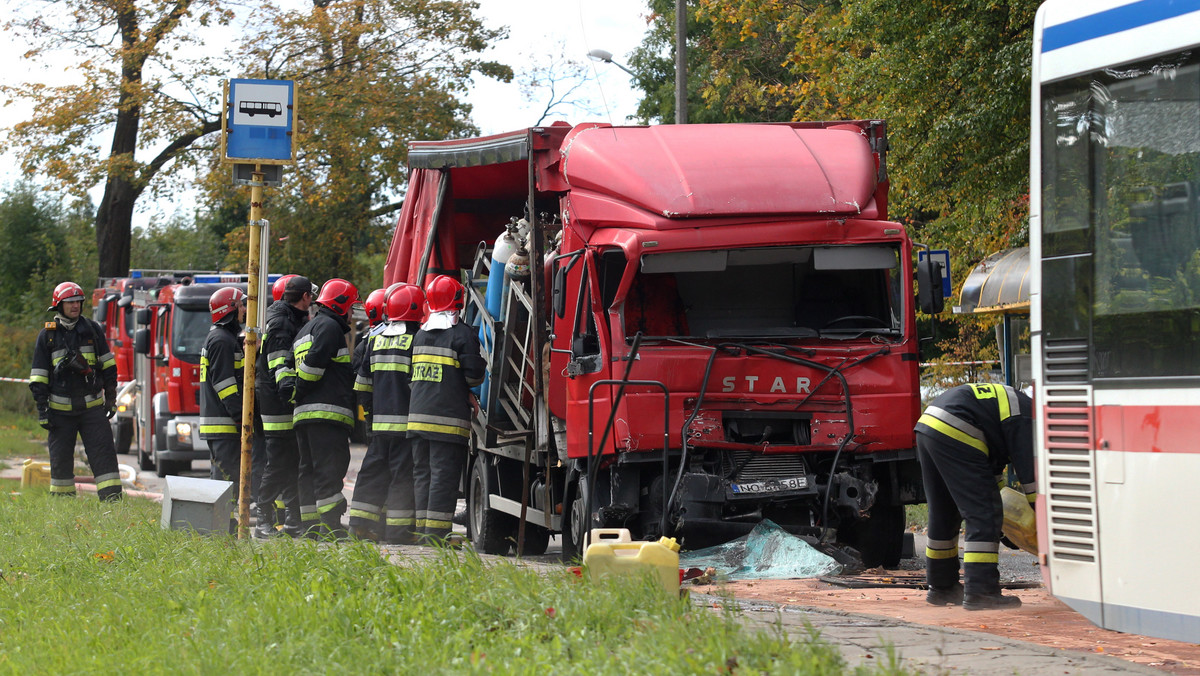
537	28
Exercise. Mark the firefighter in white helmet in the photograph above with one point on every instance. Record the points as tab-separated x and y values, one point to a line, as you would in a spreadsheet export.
74	384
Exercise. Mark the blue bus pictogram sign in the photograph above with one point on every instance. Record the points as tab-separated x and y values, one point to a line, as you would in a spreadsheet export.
259	116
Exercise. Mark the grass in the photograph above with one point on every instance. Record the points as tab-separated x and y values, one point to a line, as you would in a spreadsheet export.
916	516
91	587
20	436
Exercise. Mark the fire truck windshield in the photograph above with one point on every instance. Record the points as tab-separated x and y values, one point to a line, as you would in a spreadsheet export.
189	331
795	291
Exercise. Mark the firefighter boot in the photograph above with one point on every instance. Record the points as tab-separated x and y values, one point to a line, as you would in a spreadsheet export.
265	517
990	601
291	520
949	595
331	525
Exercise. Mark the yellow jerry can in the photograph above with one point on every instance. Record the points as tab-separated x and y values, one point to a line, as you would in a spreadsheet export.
613	553
34	473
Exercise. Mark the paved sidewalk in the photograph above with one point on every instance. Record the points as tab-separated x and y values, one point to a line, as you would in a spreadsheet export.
863	640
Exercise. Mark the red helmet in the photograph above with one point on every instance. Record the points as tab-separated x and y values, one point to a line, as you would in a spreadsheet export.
223	304
338	295
445	293
279	286
404	303
63	292
374	306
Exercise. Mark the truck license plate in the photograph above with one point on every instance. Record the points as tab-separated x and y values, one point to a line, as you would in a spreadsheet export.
771	485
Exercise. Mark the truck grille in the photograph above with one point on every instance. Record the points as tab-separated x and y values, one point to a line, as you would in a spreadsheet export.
759	467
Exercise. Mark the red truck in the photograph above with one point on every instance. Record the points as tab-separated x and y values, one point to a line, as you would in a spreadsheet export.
717	326
172	322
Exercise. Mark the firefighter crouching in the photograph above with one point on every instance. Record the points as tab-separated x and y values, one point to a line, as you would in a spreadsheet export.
221	362
965	439
74	384
274	384
446	363
324	413
370	489
387	487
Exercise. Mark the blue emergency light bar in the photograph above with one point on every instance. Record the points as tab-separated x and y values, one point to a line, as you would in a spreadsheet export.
225	279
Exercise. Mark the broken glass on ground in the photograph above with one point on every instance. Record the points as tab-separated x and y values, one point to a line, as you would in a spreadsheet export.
766	553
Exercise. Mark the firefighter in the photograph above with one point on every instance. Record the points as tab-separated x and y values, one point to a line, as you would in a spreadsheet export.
446	363
370	488
324	413
386	394
74	384
275	384
221	362
965	439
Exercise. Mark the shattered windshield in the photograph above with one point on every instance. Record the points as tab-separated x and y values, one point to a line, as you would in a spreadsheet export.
770	292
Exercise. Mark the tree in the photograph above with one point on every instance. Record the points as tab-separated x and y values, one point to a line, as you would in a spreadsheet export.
372	74
130	86
556	81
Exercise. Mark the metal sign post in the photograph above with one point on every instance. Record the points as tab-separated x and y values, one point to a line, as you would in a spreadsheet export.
258	117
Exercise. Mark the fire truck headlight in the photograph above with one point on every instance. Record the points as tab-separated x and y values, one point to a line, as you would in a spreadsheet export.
183	430
126	399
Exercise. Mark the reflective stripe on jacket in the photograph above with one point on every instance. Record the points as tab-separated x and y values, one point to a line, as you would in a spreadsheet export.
446	363
221	363
275	370
66	390
324	379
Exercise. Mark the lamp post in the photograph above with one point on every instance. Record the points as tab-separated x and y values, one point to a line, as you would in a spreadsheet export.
607	57
680	61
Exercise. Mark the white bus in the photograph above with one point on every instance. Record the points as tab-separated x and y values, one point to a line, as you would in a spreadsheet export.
1115	252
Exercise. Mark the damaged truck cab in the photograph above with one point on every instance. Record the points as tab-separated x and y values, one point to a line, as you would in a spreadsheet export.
716	327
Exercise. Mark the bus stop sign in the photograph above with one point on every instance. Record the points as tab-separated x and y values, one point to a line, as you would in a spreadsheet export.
259	119
943	257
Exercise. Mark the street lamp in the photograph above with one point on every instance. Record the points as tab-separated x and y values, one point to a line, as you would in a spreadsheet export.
607	57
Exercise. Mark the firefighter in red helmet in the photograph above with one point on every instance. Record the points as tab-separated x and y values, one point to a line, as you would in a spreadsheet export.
74	384
324	413
382	506
365	515
446	363
221	362
274	387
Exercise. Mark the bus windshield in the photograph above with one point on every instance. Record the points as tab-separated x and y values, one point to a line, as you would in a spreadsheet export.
1121	180
773	292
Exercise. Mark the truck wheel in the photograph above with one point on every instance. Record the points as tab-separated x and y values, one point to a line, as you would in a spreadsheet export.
574	525
145	460
492	532
537	540
122	434
165	468
880	539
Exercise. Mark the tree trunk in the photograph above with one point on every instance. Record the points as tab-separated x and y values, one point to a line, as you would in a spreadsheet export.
114	224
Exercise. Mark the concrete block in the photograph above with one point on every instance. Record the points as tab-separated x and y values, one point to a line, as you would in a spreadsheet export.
202	505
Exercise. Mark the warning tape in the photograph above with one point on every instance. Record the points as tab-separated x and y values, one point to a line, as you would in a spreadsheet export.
14	380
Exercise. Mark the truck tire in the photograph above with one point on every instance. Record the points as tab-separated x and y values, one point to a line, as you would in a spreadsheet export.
574	522
880	539
122	434
537	540
145	460
491	531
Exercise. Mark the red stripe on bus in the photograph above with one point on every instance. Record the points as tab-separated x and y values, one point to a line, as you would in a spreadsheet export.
1148	429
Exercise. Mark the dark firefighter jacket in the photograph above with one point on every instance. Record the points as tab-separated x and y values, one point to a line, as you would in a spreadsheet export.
360	361
324	379
275	370
72	369
445	364
221	363
383	378
995	420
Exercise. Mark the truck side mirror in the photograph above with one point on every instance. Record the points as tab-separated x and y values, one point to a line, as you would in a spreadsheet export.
100	313
141	340
929	286
558	293
143	318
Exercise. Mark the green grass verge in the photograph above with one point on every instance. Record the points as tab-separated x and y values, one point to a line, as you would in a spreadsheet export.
90	587
20	436
916	516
